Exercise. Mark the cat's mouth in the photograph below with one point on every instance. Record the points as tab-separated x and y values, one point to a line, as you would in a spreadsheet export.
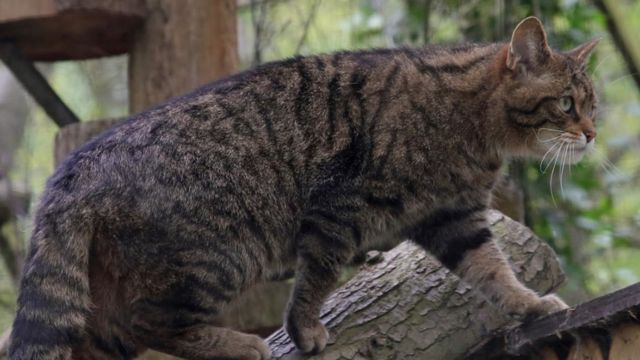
563	148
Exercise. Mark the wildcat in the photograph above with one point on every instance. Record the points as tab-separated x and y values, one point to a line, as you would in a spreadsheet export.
145	233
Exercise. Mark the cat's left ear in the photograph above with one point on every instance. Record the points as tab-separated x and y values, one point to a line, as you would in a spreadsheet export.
528	48
582	52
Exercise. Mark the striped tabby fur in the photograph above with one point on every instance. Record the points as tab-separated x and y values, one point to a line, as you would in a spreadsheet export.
144	234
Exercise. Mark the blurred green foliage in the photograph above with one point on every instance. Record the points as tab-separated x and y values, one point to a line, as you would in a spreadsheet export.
593	223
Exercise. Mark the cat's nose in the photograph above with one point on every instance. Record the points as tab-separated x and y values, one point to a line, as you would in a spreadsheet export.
590	133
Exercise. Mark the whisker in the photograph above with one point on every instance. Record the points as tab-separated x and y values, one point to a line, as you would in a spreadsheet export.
620	78
572	155
550	129
607	165
551	139
553	168
564	161
600	63
545	156
547	140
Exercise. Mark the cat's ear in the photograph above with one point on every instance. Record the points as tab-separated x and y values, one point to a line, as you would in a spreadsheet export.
528	47
582	52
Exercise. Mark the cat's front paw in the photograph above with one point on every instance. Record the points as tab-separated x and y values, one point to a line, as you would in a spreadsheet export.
548	304
310	338
532	306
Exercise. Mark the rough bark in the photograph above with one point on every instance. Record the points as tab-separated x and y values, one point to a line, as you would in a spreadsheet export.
182	45
50	30
407	306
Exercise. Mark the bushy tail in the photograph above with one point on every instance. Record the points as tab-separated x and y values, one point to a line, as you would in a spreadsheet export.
54	298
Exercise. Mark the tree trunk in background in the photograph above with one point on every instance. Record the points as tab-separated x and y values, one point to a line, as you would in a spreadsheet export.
408	306
182	45
13	113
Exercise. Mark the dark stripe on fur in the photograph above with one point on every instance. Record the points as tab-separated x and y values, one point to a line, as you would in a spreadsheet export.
423	232
457	248
332	100
391	203
340	220
31	332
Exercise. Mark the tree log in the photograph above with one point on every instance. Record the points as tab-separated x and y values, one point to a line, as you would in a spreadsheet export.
407	306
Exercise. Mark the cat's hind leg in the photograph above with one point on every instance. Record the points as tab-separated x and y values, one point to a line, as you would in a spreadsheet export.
204	342
181	321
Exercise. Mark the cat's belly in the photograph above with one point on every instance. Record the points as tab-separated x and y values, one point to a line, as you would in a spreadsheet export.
384	230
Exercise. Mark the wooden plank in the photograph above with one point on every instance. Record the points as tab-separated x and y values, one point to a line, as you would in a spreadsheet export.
602	312
597	312
36	85
625	344
48	30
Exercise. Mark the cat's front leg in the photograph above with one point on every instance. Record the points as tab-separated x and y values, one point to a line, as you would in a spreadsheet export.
322	250
486	268
461	239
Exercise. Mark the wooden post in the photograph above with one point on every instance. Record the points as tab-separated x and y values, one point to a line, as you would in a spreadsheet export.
182	45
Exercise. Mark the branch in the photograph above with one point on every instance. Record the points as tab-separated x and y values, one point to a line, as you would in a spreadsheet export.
408	306
307	24
621	37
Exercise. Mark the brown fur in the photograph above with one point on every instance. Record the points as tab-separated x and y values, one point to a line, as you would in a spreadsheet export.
146	233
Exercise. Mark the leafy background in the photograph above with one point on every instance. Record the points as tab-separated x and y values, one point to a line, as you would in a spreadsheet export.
593	222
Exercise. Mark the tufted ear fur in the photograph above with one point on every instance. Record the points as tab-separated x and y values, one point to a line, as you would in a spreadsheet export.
582	52
528	48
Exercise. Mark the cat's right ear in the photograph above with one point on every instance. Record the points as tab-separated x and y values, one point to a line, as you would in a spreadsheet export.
528	47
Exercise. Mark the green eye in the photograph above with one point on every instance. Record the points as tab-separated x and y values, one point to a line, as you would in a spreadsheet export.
566	103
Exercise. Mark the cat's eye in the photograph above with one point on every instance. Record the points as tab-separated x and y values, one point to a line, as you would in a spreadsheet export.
566	103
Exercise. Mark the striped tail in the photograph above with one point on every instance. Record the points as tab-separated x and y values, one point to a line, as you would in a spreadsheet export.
54	298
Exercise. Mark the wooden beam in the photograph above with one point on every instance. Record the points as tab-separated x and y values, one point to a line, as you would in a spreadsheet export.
51	30
36	85
592	316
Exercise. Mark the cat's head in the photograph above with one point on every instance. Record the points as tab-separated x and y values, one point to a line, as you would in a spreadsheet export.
549	98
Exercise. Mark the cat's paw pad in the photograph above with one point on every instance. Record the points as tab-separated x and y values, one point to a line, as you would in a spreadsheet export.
309	339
